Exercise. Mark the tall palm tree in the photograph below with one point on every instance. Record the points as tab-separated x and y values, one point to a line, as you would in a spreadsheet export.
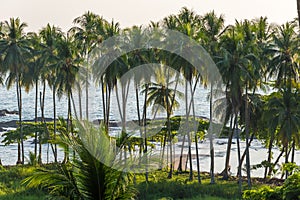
238	59
106	79
161	98
67	65
35	65
212	28
186	22
14	48
50	35
88	31
285	68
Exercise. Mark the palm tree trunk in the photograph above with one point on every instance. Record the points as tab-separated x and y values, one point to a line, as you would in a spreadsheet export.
293	151
40	134
87	89
195	129
144	121
108	106
179	169
227	167
286	159
35	117
19	161
54	122
277	160
211	144
298	10
269	155
80	103
247	141
170	143
239	154
103	102
188	133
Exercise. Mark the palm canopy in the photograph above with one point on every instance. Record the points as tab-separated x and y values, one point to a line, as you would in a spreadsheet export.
284	66
163	98
67	64
14	49
283	115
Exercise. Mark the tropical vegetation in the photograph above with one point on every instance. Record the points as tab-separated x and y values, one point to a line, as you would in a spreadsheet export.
259	67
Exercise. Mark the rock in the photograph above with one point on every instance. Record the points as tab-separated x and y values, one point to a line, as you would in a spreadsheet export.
4	112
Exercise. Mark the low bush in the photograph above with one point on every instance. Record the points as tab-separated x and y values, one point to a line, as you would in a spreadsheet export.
289	191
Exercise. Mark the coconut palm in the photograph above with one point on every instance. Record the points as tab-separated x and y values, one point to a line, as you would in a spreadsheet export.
106	79
67	65
212	28
284	108
186	22
14	49
88	31
34	67
237	59
285	68
162	99
50	35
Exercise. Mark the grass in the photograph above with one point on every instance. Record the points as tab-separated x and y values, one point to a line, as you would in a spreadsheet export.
11	187
159	186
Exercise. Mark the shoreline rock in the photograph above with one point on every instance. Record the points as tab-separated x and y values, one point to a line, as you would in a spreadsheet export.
6	112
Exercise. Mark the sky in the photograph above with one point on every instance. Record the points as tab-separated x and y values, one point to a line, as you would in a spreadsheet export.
37	13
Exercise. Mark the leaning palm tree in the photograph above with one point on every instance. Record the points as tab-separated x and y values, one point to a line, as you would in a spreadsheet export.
14	49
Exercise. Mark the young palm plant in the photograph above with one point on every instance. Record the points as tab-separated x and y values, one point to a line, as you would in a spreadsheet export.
90	174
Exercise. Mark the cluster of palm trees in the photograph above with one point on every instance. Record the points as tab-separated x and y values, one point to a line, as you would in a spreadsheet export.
251	55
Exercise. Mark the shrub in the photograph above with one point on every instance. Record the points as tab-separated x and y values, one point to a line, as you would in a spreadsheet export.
291	187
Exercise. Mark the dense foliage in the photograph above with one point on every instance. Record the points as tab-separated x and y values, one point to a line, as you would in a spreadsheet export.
251	56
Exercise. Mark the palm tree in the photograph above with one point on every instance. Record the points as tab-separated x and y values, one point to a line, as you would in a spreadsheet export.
284	108
285	68
50	35
231	74
212	28
14	48
67	65
238	59
186	22
35	65
106	79
162	98
88	31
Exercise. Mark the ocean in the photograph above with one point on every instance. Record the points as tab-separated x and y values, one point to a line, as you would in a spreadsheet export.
8	154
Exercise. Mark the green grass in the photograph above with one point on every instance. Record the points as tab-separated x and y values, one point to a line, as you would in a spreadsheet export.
159	186
11	187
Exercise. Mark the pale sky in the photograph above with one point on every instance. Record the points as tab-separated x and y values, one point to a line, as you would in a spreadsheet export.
37	13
